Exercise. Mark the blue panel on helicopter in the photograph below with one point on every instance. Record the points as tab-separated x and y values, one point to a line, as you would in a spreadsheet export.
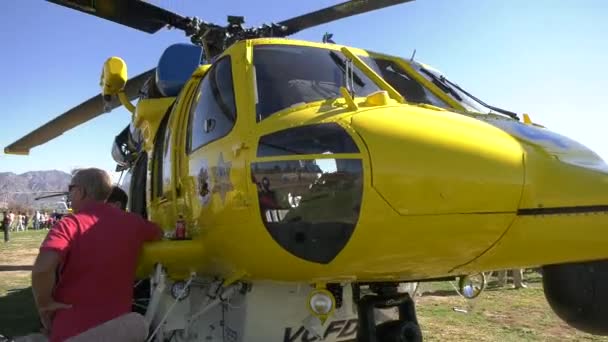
175	67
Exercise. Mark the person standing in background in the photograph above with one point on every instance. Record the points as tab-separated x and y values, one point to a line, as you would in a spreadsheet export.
5	226
518	278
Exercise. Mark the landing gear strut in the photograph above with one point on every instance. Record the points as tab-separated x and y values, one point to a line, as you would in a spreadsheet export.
404	329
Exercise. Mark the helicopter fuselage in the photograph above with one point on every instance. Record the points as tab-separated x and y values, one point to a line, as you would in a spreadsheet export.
311	189
290	169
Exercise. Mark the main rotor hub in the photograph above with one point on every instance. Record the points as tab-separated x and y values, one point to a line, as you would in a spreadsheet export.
215	38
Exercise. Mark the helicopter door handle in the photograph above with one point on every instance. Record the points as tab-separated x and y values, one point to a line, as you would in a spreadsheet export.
209	125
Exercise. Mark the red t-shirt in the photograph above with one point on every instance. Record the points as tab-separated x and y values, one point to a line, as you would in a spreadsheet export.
99	247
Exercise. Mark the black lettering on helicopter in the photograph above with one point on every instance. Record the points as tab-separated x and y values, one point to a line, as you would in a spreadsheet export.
350	329
287	337
334	327
343	330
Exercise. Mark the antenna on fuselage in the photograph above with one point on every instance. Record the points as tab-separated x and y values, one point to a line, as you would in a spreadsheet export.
327	38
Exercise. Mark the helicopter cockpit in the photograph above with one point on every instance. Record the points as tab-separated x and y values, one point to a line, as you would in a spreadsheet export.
319	75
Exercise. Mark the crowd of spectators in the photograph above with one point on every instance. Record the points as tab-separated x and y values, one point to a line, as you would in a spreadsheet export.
21	220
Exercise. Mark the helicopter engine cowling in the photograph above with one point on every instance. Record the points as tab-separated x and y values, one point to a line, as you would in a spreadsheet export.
578	294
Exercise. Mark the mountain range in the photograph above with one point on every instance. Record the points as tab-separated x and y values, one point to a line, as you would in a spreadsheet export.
20	191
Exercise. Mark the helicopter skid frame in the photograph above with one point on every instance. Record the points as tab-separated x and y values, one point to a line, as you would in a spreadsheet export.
208	309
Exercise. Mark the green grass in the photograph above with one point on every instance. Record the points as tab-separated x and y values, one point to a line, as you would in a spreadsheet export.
21	240
17	310
498	314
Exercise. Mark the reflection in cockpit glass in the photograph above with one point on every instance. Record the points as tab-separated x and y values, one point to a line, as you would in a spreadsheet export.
310	206
284	185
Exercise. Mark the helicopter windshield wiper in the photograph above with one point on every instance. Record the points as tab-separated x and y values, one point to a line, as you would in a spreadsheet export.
446	85
342	65
441	84
499	110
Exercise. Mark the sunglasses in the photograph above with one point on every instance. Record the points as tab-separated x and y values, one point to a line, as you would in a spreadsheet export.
72	186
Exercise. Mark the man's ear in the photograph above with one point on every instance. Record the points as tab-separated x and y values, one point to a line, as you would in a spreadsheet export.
83	193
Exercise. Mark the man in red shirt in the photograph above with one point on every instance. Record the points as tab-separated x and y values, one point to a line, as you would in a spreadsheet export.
84	273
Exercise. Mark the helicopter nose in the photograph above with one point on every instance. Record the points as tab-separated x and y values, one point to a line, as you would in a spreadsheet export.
541	198
565	183
563	213
560	172
433	162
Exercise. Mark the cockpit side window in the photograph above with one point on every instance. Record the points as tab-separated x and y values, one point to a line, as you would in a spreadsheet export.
213	111
162	158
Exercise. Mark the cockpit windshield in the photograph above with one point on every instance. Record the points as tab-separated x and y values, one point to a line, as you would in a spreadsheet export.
407	86
289	75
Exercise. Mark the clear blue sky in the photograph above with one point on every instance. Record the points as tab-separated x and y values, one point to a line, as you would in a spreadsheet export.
547	58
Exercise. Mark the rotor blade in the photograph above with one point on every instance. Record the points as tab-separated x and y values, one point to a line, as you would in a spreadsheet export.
78	115
137	14
343	10
63	193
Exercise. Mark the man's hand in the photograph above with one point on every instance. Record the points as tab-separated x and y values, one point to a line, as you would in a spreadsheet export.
53	306
47	312
43	282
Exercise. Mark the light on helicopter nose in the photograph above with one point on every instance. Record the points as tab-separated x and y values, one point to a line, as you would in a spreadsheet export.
321	303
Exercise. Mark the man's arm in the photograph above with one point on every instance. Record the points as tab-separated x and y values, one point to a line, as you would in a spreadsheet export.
43	277
151	231
43	282
52	254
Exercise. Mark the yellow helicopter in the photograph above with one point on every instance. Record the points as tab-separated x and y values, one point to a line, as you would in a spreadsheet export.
313	179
